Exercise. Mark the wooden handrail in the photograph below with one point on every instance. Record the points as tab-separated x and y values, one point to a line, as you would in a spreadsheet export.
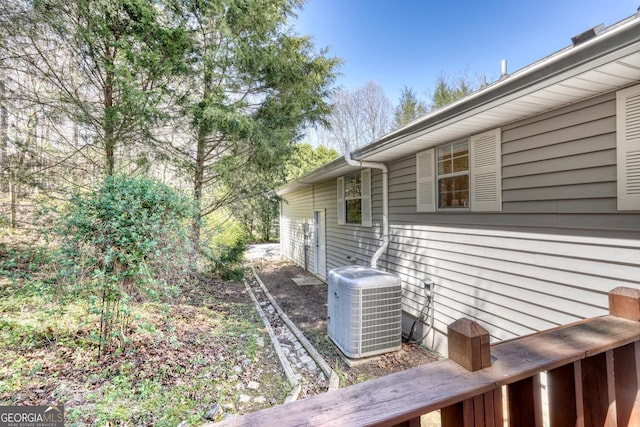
582	353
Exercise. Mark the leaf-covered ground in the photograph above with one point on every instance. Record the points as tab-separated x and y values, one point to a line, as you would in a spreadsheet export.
179	358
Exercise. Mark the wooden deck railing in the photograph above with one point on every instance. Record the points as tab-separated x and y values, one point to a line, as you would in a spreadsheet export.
592	369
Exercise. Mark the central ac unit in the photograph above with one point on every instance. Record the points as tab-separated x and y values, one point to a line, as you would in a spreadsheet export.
364	311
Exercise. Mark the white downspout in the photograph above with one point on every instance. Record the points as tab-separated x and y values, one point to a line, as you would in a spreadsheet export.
385	200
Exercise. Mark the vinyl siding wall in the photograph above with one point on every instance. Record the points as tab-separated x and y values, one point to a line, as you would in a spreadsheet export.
294	213
549	258
345	244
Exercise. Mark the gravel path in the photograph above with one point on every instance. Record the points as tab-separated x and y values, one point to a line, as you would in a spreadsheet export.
304	368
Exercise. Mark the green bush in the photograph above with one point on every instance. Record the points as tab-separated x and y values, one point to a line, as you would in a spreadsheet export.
227	261
227	241
128	240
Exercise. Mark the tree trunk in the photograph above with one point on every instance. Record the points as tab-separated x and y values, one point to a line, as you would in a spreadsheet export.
13	199
197	189
109	126
200	164
4	132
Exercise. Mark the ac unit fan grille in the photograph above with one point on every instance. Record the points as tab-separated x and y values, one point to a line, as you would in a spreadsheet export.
381	325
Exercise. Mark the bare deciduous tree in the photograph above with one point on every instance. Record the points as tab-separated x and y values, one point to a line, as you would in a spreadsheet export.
360	116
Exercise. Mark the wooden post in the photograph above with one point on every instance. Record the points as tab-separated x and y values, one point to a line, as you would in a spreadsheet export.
469	347
625	303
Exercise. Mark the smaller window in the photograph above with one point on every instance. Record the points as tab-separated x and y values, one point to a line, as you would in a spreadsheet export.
353	198
453	175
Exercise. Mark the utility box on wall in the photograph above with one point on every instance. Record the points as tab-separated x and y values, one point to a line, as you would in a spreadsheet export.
364	311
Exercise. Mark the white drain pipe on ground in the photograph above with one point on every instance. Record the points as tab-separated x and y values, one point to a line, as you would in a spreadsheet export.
385	199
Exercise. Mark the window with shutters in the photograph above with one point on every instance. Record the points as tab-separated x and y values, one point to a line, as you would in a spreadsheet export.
354	198
461	175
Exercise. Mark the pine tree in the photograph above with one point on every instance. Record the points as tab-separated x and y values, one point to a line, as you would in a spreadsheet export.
447	93
409	108
253	87
102	65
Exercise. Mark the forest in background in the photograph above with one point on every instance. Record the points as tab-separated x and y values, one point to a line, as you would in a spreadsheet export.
140	143
212	98
209	98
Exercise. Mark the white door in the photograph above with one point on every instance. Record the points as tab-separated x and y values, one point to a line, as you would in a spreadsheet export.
319	244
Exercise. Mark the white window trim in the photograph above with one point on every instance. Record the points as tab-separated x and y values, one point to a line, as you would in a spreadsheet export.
451	175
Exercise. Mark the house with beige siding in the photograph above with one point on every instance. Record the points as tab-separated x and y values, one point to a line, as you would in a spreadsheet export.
519	205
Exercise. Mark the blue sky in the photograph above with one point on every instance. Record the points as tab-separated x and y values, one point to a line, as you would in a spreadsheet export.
399	43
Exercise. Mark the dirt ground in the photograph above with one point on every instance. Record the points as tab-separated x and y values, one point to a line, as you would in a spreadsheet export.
306	306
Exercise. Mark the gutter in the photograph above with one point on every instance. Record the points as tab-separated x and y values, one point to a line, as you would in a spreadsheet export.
385	199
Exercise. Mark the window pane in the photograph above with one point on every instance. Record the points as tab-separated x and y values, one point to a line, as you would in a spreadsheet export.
444	152
461	148
461	156
444	159
352	187
461	183
461	164
354	211
444	167
454	192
